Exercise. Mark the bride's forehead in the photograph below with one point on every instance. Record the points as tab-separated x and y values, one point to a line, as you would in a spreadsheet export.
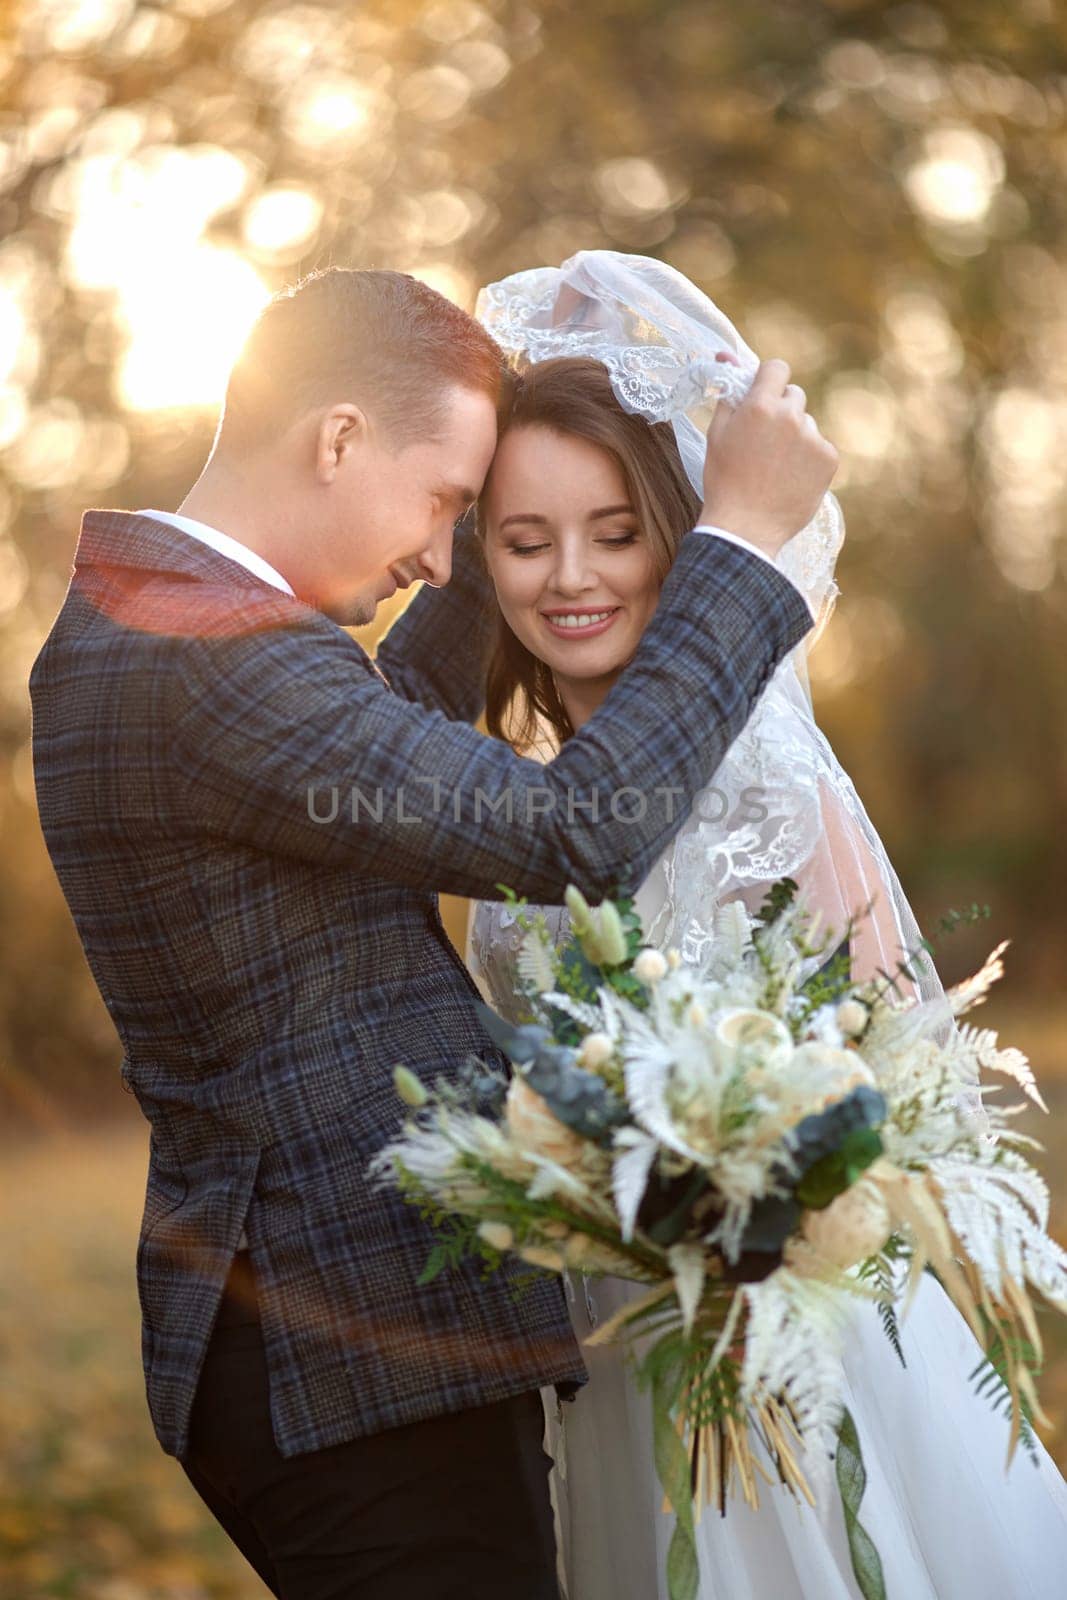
550	466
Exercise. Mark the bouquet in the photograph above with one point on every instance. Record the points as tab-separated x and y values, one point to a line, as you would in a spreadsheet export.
760	1143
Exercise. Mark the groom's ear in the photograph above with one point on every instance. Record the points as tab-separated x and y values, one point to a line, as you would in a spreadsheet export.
342	430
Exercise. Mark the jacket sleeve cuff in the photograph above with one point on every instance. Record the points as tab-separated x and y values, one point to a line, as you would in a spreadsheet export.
745	544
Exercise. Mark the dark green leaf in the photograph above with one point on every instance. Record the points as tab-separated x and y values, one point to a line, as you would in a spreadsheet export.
833	1174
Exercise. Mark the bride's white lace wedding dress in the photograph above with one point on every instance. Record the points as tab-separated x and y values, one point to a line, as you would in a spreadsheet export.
948	1522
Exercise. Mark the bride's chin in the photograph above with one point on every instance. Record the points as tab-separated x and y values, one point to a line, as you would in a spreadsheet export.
605	666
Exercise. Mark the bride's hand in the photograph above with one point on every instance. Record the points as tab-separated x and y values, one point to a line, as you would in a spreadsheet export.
767	465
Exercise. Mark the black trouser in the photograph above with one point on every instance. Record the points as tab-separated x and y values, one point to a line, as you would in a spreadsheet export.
455	1508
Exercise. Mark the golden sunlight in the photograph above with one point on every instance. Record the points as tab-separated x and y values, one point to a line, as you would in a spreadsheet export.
184	304
280	222
186	323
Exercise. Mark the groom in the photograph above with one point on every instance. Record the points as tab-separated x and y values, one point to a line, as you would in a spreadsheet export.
250	820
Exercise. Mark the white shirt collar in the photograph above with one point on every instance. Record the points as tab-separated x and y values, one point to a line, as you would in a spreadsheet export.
225	546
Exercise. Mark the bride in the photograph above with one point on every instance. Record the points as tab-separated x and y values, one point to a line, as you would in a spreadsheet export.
595	483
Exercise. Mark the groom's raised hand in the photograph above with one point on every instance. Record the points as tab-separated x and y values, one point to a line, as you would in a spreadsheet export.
767	465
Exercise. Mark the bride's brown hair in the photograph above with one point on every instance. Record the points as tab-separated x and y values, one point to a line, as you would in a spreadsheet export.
573	395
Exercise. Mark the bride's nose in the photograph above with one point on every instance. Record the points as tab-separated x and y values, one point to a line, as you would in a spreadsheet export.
572	572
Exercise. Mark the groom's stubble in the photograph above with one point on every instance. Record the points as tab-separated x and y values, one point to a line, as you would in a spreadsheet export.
358	613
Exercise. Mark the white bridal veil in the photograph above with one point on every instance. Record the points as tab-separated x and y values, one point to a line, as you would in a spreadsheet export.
780	804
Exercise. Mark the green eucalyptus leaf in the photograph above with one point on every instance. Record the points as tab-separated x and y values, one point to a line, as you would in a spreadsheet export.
852	1482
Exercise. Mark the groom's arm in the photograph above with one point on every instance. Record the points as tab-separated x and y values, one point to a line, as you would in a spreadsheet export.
436	652
288	742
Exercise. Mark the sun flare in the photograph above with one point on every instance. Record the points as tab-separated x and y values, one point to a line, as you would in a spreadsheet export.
186	325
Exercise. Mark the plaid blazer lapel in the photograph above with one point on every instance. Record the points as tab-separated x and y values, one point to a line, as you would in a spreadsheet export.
139	548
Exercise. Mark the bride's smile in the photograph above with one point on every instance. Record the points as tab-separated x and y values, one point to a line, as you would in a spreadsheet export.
581	624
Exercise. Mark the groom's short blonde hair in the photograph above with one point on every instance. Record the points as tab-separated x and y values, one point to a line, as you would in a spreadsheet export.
379	339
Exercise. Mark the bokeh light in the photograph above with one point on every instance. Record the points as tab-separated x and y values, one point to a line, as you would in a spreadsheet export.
633	186
12	333
1024	436
957	177
923	340
73	26
330	113
861	417
281	221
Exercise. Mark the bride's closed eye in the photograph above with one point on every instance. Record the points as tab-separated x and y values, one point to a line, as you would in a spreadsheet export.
615	542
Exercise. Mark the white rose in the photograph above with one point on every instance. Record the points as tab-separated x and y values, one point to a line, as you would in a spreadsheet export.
534	1128
650	966
852	1227
748	1029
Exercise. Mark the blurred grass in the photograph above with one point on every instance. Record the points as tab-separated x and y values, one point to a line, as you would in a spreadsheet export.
90	1508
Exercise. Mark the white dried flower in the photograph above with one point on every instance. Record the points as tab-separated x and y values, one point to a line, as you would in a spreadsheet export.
650	966
696	1016
596	1048
822	1075
578	1249
674	959
496	1234
554	1230
539	1256
824	1026
852	1016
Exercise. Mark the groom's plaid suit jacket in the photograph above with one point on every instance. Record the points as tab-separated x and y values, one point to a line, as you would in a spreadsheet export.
266	970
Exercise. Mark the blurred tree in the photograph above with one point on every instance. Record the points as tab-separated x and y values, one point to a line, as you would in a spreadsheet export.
873	191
